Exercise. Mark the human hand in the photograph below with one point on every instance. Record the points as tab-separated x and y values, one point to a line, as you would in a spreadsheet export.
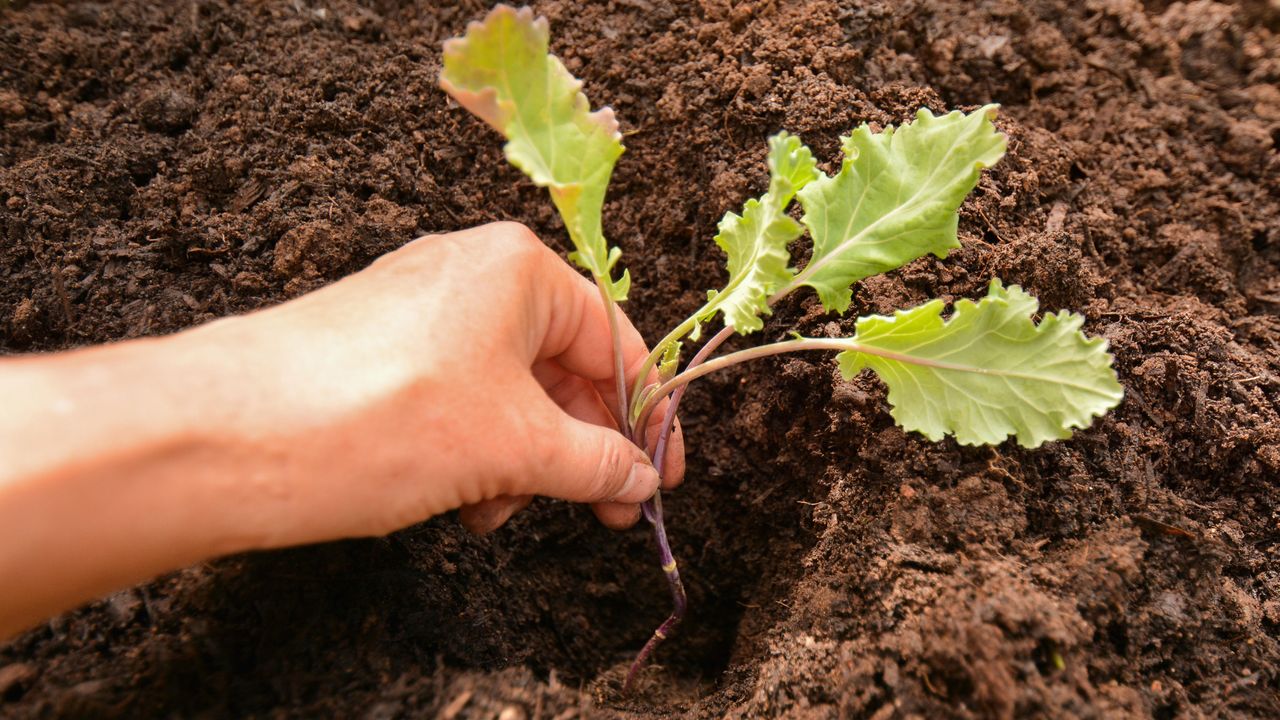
468	370
471	370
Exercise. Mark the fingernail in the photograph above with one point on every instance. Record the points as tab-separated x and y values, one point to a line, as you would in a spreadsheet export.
641	484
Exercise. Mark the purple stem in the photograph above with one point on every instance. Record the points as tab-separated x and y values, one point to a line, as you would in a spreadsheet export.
652	510
669	417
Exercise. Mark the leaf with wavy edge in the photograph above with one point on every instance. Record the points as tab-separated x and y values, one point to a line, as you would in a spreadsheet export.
894	199
756	241
501	71
988	371
670	362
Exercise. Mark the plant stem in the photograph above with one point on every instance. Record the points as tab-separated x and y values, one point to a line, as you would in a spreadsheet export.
668	419
655	356
652	510
705	351
619	371
797	345
790	288
677	386
693	373
653	513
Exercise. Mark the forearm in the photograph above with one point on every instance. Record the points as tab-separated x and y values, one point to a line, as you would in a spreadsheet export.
124	461
115	466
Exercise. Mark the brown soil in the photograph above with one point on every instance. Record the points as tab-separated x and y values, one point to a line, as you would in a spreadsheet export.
162	164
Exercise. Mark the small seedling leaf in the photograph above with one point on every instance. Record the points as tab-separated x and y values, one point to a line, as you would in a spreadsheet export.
501	71
670	362
756	241
894	199
988	371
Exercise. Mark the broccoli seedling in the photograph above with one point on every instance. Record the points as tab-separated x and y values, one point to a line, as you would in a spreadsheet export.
984	374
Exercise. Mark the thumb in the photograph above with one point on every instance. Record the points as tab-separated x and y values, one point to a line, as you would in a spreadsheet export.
582	462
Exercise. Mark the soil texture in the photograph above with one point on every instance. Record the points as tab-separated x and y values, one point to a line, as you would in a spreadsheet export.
166	163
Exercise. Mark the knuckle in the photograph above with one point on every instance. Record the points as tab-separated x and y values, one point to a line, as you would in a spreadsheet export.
609	472
543	451
515	235
515	249
411	259
564	388
540	451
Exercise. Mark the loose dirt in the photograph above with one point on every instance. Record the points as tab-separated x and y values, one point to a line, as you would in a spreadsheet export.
164	164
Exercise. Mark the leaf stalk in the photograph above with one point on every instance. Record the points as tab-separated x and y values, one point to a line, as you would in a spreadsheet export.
619	371
655	356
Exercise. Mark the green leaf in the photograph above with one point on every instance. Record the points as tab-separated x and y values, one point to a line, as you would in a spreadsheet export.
989	371
894	199
756	241
502	73
670	362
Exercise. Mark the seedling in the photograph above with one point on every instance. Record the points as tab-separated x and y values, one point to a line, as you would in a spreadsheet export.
987	372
